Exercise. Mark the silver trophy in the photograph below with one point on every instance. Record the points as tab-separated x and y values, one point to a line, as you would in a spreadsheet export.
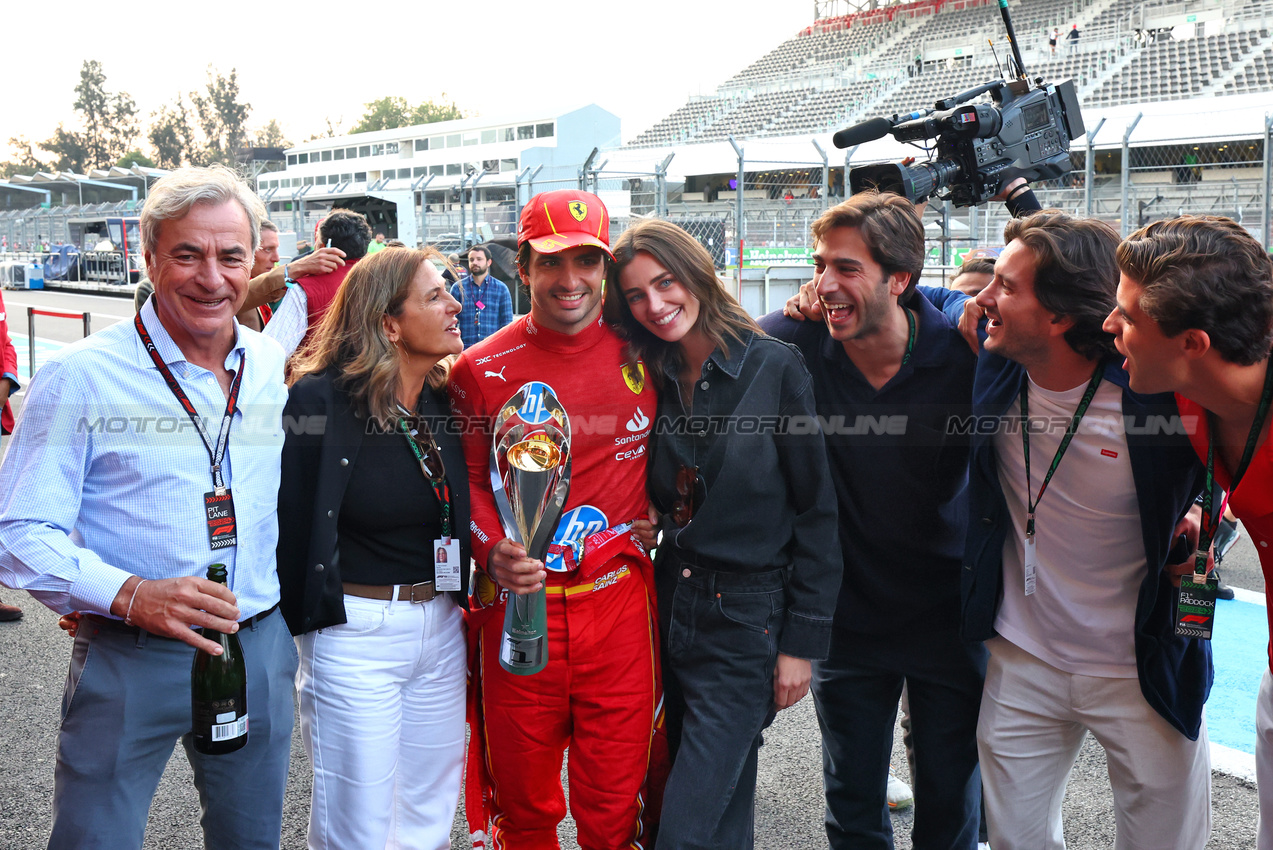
530	477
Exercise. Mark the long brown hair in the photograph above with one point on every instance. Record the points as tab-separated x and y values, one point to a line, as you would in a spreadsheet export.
351	338
720	317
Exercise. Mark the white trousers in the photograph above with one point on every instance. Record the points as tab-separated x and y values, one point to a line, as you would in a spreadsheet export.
1032	724
382	719
1264	761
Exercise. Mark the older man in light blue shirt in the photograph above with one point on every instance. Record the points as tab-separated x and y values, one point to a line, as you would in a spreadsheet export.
104	501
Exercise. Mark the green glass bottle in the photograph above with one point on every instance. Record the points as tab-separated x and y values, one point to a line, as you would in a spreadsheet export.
219	690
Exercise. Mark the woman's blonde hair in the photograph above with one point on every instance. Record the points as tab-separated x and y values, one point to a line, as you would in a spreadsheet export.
351	338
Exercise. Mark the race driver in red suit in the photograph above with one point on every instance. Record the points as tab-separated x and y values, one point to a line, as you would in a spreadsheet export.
599	694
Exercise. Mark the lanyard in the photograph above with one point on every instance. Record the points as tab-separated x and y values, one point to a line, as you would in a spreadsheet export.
910	336
1210	520
215	454
1088	395
437	480
477	297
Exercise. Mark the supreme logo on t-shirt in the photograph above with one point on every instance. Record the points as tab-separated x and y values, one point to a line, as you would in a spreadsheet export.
1109	453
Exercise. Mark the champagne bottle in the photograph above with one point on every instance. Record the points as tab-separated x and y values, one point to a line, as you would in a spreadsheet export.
219	690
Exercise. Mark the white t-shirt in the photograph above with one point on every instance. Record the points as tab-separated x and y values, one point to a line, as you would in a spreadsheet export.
1091	556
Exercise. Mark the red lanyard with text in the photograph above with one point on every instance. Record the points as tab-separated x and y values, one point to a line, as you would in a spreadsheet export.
1209	519
1088	395
216	453
434	471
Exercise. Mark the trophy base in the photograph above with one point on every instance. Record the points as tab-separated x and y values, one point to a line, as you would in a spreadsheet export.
523	657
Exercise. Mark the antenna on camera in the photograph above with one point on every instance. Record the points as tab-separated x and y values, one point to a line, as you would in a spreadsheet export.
995	54
1012	38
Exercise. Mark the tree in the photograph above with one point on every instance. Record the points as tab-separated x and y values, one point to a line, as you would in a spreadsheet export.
26	162
109	119
390	113
387	113
135	157
222	118
430	112
171	135
71	150
271	136
332	130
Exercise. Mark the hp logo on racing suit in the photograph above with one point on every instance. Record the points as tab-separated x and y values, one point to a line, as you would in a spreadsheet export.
574	526
533	410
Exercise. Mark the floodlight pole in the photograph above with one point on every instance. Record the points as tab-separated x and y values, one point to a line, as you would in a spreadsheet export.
583	169
476	180
1268	181
463	228
660	195
738	199
421	186
826	173
1127	170
1090	170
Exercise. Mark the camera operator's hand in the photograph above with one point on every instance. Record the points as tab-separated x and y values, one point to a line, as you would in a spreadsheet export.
1009	188
804	304
1018	197
970	323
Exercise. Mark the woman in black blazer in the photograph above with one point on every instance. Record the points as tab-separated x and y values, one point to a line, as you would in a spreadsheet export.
366	504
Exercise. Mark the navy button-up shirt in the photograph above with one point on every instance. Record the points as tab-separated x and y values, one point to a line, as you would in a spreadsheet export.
900	468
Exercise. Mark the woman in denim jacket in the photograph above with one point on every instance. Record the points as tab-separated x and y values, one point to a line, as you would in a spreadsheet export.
748	568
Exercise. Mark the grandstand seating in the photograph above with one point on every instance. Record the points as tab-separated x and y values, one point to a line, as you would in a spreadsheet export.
1257	76
1176	69
845	69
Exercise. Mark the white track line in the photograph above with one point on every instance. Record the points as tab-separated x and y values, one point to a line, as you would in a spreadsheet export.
1233	762
10	304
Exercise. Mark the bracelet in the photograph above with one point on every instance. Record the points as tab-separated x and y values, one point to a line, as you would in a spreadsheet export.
129	613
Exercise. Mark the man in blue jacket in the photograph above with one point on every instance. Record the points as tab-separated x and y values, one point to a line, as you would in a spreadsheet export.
1072	519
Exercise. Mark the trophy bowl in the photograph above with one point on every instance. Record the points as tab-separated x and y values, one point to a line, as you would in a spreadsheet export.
530	479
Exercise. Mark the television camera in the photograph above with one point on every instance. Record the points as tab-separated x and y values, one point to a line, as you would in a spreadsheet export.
1025	131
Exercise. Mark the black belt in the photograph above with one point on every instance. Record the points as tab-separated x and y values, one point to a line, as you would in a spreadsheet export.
121	626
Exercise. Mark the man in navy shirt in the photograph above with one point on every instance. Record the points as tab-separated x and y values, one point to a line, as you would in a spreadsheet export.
488	305
889	371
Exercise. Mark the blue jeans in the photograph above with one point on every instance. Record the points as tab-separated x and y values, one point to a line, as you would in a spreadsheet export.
720	642
127	701
856	690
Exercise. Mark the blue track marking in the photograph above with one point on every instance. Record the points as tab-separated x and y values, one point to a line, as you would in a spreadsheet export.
1240	645
43	348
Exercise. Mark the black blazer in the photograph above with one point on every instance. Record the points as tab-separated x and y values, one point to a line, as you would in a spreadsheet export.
322	436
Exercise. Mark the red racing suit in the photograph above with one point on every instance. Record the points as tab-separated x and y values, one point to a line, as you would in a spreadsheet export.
599	694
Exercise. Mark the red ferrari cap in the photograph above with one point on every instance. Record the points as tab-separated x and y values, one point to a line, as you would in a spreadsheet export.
565	218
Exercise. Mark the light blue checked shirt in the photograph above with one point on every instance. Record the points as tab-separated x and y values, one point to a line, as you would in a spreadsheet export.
477	324
105	474
290	321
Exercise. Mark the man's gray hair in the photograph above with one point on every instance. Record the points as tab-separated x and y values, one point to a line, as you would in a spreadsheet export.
173	196
266	224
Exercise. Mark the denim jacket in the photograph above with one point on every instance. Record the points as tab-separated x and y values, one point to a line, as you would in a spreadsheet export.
765	499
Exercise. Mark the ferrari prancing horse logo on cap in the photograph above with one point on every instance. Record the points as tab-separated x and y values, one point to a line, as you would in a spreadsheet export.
579	210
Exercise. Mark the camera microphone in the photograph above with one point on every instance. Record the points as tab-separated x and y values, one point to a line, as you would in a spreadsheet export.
867	131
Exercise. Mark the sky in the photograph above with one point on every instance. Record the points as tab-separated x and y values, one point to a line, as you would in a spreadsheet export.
305	63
